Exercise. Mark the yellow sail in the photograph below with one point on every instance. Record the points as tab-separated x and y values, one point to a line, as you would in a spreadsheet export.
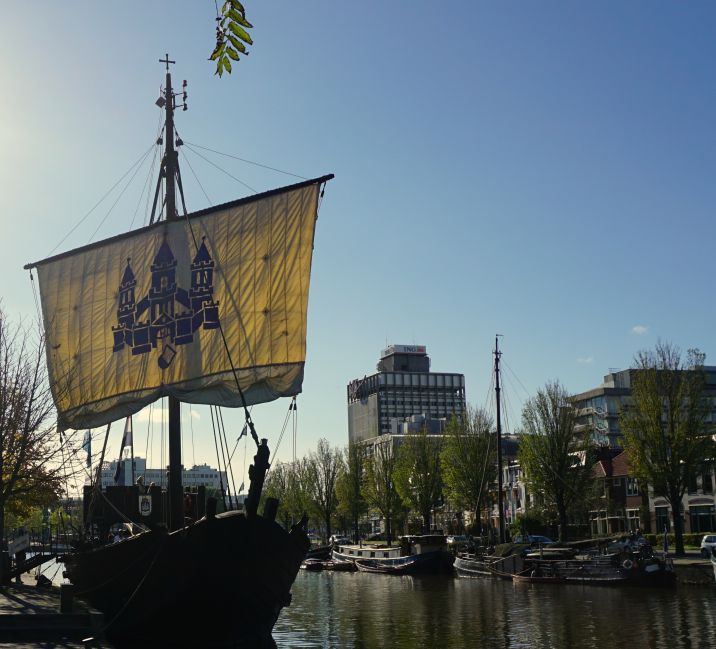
141	316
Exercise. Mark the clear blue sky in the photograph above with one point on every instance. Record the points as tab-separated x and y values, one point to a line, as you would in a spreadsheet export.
545	170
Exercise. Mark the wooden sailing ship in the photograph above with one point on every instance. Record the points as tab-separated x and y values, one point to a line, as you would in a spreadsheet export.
208	307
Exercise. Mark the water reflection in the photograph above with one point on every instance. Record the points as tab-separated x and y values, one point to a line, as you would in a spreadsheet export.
366	611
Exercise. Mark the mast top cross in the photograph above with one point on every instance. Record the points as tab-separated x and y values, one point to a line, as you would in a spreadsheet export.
166	60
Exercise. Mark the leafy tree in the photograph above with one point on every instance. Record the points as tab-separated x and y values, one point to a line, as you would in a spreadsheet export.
666	432
231	36
288	482
379	489
323	468
469	461
349	487
31	471
555	457
418	477
276	486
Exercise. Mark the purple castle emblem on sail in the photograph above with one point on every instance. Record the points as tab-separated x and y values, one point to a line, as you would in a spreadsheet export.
167	315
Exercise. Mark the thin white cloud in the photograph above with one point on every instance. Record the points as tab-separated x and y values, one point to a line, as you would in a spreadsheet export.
585	360
639	330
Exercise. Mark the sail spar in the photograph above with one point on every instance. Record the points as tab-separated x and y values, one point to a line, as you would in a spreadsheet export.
140	316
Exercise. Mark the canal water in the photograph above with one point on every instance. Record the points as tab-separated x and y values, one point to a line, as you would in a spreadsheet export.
369	611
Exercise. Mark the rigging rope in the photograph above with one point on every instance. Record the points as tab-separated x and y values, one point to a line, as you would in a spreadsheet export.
106	216
191	425
150	431
247	414
213	164
295	426
251	162
164	413
218	461
230	468
151	174
222	439
109	191
285	422
198	182
243	470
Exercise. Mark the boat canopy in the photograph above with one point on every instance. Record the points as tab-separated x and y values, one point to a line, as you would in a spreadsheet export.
183	308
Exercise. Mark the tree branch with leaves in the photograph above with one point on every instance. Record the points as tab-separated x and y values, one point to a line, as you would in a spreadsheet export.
556	457
418	475
349	487
232	37
379	488
665	425
469	461
32	470
323	469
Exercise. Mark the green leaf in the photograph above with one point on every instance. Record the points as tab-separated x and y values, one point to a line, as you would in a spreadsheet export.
238	5
241	33
237	44
238	18
215	54
219	67
232	53
227	65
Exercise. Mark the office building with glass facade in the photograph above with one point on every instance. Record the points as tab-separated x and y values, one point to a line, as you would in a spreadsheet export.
403	395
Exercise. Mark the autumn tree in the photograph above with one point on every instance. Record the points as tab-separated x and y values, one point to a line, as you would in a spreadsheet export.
349	488
31	468
418	478
322	471
379	488
555	456
469	461
665	425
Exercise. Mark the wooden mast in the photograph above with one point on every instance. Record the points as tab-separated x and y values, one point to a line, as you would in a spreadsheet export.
170	169
500	495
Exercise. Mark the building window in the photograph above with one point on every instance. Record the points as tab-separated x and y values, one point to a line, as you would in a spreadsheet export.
692	484
703	518
662	519
632	487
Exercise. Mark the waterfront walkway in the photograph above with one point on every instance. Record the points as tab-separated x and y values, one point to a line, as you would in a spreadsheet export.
693	569
30	618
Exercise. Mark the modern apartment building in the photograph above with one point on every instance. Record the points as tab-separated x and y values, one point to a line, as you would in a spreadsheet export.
598	411
403	395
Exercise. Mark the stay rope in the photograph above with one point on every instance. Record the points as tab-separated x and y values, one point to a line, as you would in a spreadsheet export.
291	408
99	202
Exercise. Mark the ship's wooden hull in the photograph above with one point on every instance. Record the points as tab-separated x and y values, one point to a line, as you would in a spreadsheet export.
221	582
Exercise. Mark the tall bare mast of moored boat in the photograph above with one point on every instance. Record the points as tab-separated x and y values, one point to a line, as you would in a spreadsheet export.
500	495
170	167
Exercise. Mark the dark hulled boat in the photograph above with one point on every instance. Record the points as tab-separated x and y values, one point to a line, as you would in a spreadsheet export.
418	554
219	582
208	307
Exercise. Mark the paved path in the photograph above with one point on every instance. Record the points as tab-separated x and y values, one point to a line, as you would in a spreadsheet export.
30	618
